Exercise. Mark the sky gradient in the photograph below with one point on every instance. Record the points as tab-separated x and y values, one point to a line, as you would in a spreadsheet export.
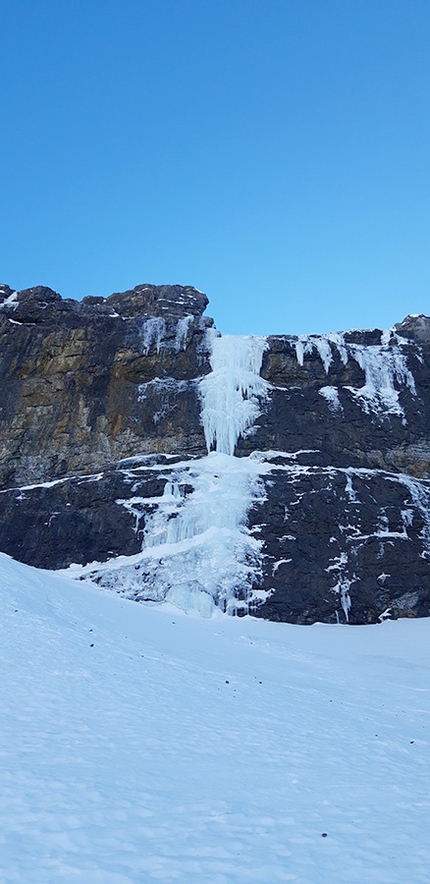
272	153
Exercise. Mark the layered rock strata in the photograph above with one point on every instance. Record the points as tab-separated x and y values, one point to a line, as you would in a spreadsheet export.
286	476
85	383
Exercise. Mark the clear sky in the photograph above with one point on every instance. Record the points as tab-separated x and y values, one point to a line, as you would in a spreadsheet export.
273	153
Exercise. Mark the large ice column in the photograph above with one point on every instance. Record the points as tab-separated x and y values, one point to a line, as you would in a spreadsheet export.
204	550
197	545
197	551
232	393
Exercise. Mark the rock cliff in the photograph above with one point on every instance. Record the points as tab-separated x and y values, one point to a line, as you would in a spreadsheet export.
287	476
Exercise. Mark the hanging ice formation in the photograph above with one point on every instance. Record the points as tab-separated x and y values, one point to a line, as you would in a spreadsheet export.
197	551
154	329
205	554
232	392
383	365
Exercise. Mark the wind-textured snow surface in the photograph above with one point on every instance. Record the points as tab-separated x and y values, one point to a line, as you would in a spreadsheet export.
140	745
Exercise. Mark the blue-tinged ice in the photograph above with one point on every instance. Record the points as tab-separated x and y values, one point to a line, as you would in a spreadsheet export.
197	550
153	332
182	332
233	392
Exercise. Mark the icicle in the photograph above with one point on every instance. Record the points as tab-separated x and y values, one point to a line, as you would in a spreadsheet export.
383	366
322	344
338	340
232	393
345	599
182	332
153	331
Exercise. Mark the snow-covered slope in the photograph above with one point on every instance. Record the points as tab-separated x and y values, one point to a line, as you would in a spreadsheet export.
140	745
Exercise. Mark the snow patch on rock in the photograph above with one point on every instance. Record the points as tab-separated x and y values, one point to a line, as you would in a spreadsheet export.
331	395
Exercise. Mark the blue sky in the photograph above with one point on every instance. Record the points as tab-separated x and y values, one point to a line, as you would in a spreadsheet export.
273	153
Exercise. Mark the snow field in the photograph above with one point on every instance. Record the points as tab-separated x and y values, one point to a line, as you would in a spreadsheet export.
142	745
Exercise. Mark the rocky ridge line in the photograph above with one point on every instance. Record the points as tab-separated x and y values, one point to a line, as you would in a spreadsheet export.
101	410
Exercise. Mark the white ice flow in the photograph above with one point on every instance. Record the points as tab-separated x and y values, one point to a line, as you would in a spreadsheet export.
384	365
232	392
141	746
199	543
196	545
197	551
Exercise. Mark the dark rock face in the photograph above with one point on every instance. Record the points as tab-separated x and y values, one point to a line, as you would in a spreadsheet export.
80	519
102	429
353	545
87	383
321	408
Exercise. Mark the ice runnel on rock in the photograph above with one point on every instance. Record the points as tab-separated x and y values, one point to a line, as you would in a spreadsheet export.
384	367
197	550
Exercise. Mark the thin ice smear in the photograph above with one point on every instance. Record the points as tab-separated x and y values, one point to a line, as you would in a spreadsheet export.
385	368
10	301
331	395
182	329
153	332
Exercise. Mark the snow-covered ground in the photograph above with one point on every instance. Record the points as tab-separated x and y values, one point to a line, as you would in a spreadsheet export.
139	744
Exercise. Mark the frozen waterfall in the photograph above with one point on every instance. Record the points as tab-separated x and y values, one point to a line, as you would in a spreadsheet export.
197	550
232	392
211	556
